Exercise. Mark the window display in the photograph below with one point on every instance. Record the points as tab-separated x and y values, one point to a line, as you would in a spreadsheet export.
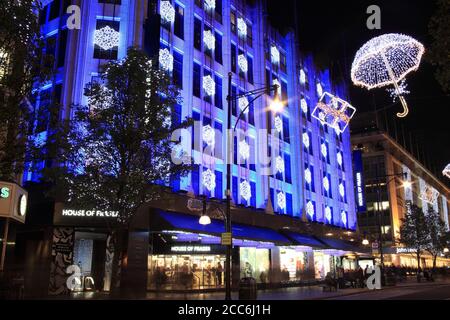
322	265
255	264
294	264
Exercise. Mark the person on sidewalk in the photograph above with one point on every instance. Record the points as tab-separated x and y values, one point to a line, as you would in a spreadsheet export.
219	271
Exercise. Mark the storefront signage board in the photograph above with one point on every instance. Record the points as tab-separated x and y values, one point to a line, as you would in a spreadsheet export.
65	215
226	239
359	181
13	201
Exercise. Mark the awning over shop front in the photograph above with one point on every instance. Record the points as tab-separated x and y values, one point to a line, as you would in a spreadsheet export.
190	223
342	245
305	240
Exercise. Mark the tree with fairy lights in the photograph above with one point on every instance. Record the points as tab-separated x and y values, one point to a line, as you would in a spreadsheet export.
23	67
117	150
439	237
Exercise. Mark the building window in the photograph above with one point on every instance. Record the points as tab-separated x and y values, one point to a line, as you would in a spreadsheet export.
178	69
233	57
110	1
62	48
283	62
309	178
197	80
287	168
111	53
198	34
54	10
218	11
179	21
250	70
233	22
218	191
199	3
218	49
218	100
286	133
250	35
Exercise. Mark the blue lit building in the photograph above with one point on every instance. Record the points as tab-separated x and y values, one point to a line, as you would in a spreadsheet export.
294	225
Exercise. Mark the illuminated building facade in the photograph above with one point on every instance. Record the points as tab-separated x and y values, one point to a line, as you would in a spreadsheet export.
200	42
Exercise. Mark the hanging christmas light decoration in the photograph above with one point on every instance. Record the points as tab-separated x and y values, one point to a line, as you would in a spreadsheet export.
279	164
165	60
339	159
304	105
324	150
342	190
246	191
281	200
334	112
310	210
401	91
167	11
386	60
278	124
209	180
242	62
326	184
446	171
209	85
106	38
275	54
244	149
344	218
243	105
328	215
302	76
429	195
275	82
209	40
209	135
210	5
242	27
306	141
319	89
308	176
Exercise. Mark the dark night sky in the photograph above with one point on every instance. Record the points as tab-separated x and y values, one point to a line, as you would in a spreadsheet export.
335	30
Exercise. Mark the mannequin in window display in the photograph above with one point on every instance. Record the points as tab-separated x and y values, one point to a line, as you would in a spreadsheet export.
209	273
219	271
248	270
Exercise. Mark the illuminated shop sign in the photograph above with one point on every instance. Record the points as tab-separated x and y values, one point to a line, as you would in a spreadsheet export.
89	213
190	249
4	192
405	250
359	181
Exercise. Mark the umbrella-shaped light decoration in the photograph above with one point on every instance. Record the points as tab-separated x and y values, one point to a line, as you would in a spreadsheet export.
387	60
446	171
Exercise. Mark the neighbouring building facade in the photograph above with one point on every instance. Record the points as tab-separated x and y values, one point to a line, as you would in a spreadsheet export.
295	225
383	198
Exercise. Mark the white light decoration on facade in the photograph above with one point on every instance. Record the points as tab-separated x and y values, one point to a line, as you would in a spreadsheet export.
326	184
106	38
333	112
209	180
302	76
319	89
342	190
324	150
429	195
279	164
386	60
446	171
244	149
308	176
167	11
339	159
243	104
278	124
210	4
277	83
310	209
304	105
209	135
344	218
209	39
165	60
328	215
209	85
245	189
281	200
243	63
242	27
275	54
401	90
306	141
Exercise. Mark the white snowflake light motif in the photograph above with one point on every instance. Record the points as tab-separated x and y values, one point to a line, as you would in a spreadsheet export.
326	184
342	190
344	218
328	215
310	209
278	124
242	27
319	89
167	11
339	158
446	171
277	83
209	135
242	62
275	54
429	195
401	90
304	105
324	150
279	164
334	112
308	176
210	4
281	200
386	60
245	189
209	85
209	180
244	149
306	141
302	76
165	60
106	38
243	104
209	40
